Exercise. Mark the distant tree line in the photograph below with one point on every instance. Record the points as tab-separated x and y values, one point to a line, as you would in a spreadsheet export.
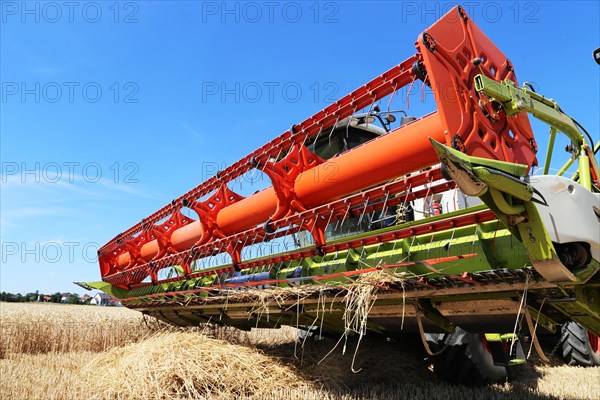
29	297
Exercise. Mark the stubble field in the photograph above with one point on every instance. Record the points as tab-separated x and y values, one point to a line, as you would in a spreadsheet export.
55	351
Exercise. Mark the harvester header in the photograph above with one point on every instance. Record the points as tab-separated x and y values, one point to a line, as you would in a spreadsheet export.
444	217
449	55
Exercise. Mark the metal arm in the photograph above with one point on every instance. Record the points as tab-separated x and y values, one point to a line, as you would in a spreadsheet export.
514	100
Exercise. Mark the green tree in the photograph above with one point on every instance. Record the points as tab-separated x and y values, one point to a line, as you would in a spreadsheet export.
73	299
55	297
31	296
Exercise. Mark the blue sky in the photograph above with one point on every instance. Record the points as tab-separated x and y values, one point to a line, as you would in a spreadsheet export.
111	109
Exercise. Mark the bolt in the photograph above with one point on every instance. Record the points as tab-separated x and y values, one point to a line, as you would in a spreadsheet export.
531	239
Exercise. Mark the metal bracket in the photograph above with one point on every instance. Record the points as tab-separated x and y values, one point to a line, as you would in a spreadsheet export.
283	174
510	198
425	307
209	209
515	100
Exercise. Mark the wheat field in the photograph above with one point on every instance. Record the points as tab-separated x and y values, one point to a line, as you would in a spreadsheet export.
55	351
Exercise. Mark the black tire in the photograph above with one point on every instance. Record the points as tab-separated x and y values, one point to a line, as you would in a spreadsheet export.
463	359
576	346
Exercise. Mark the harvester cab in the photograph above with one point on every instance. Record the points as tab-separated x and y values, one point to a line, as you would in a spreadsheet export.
347	134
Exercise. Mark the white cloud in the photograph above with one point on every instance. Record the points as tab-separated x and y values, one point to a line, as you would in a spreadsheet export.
187	128
30	205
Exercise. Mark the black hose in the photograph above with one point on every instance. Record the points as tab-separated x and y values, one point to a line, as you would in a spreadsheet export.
530	86
588	135
583	129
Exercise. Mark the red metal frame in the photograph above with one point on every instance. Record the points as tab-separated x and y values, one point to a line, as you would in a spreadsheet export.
454	50
450	53
326	213
132	277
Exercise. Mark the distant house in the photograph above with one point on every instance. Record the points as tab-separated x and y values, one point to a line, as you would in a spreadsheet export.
64	297
46	298
86	298
102	299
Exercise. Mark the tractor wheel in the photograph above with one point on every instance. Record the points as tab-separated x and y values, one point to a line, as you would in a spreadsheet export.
579	347
463	358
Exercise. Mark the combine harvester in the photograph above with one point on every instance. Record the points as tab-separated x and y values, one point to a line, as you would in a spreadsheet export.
432	225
